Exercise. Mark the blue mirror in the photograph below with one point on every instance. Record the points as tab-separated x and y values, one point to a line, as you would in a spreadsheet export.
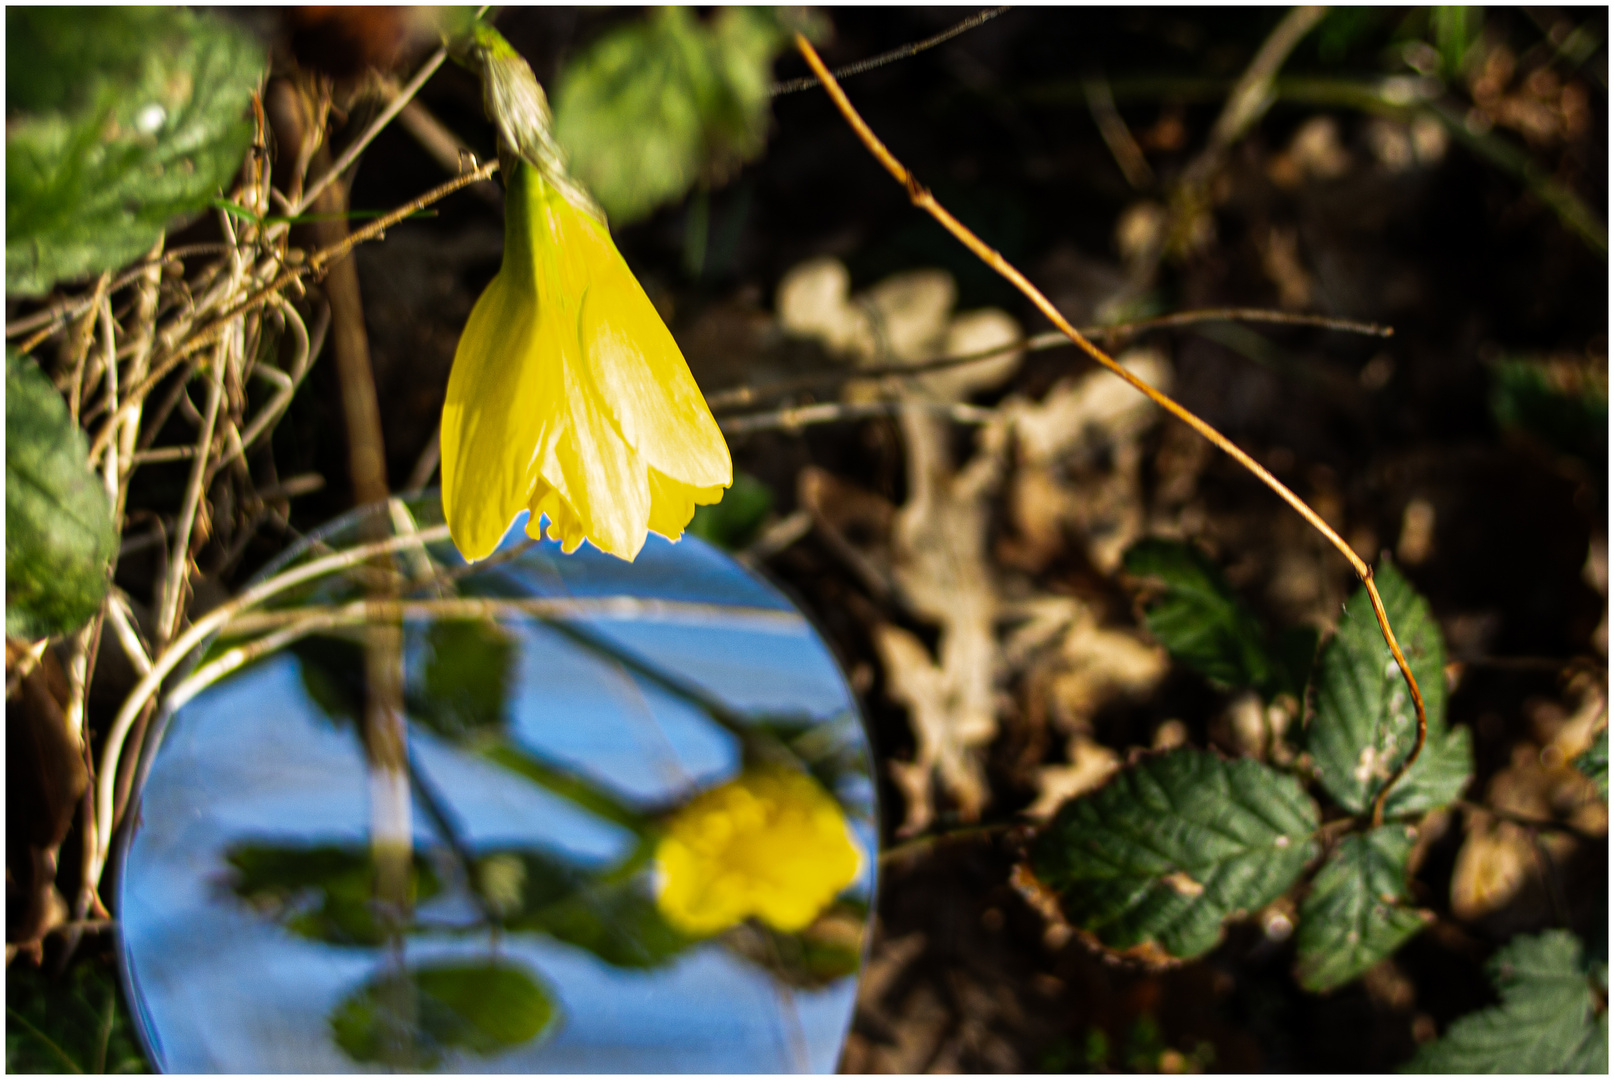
623	820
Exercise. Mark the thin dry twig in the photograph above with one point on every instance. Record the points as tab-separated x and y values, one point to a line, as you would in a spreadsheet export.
740	396
923	199
831	412
901	52
399	100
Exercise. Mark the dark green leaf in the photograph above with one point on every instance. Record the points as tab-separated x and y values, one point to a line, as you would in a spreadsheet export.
118	121
1356	914
1594	762
59	533
1200	620
652	107
469	667
324	893
1562	405
75	1022
1174	846
733	522
1550	1019
1294	653
410	1022
1365	724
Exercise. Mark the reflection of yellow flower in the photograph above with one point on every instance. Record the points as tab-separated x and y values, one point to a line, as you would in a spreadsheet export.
773	844
569	396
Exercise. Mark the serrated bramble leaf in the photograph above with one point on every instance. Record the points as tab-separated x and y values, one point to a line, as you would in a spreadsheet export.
1594	762
59	534
1549	1021
1198	617
1356	914
119	120
1364	724
653	107
1173	847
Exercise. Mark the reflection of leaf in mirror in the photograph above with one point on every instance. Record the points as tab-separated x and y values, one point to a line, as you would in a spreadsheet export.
324	893
482	1007
469	668
612	917
332	670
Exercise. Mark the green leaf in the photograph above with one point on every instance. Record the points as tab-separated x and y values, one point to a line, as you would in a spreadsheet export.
59	534
1356	915
410	1022
75	1022
1549	1021
1594	762
653	107
1174	846
1365	724
324	893
1200	620
118	121
469	669
733	522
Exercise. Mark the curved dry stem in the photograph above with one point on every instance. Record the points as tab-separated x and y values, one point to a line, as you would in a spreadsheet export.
198	632
923	199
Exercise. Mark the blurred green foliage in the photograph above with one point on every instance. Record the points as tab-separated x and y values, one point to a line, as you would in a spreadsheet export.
733	522
1202	622
1553	1017
59	532
118	120
661	104
73	1023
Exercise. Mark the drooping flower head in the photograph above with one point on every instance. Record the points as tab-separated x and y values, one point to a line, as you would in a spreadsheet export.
569	397
772	843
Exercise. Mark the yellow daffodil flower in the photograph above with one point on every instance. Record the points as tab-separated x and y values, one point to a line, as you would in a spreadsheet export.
773	844
568	396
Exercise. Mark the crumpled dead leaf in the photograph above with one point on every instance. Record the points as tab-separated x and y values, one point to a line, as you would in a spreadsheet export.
938	538
1080	465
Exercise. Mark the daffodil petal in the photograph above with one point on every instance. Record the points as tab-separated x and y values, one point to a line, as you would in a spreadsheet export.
602	481
488	432
640	370
673	502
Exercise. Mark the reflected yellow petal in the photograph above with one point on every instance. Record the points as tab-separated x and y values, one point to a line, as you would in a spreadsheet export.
772	844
